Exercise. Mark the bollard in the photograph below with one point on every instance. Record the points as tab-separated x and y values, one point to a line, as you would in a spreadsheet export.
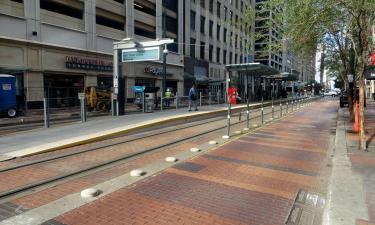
83	110
113	105
281	109
161	101
200	99
228	119
46	115
273	111
262	111
248	114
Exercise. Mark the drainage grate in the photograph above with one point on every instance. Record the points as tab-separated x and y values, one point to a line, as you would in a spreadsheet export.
188	166
9	209
52	222
307	209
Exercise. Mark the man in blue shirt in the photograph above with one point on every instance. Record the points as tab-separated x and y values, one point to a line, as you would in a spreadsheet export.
193	98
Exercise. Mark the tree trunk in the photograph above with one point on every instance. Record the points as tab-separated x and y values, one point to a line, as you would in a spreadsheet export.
362	129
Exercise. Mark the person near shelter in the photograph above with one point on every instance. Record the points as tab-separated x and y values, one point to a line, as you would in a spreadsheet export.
168	95
193	98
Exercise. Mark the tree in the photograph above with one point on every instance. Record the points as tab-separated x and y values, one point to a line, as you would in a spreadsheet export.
342	26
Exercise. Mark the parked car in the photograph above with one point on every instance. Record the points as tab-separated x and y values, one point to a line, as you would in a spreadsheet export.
330	93
344	98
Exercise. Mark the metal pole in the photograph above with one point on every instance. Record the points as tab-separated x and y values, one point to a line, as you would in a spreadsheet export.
228	118
281	108
248	114
200	99
82	110
209	98
176	100
287	107
273	93
161	101
262	110
46	115
143	102
218	97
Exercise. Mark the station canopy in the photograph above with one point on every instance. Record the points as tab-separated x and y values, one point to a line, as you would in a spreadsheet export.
285	76
252	69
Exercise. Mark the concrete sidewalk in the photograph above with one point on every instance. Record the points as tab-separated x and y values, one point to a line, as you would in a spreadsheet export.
42	140
352	184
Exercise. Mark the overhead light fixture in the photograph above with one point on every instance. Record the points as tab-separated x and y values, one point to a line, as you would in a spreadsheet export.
139	6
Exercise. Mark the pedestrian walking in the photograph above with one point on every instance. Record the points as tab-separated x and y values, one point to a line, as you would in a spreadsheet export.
193	98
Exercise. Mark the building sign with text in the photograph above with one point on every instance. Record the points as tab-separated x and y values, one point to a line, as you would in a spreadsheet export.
73	62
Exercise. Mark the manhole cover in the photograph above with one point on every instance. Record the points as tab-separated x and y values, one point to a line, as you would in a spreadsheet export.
307	209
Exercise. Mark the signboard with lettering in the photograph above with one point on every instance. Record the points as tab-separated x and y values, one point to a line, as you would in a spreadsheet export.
73	62
140	54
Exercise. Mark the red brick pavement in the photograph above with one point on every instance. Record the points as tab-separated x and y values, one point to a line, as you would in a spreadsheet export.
242	182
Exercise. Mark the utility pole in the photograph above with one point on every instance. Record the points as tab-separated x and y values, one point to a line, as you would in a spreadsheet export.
165	53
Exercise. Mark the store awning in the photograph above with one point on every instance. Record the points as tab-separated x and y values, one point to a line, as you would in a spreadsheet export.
252	69
370	73
13	70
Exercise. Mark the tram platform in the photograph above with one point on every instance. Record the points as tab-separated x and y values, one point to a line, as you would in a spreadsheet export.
43	140
275	174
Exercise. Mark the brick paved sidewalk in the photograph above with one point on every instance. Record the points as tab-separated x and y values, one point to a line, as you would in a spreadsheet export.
251	180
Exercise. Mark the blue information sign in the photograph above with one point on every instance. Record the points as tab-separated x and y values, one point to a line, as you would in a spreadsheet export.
141	54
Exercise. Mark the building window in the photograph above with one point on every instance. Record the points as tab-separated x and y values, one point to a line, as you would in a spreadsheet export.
210	28
211	5
218	32
225	57
171	4
210	52
202	49
203	21
109	19
148	9
203	3
192	20
225	35
172	24
241	6
119	1
62	9
236	41
225	12
230	57
19	1
144	30
192	47
218	55
218	9
235	58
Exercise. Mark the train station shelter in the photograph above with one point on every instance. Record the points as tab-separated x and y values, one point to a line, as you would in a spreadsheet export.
253	80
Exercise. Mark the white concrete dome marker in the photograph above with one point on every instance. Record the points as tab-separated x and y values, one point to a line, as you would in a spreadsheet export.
226	137
195	150
90	192
137	173
237	132
212	142
255	125
171	159
246	129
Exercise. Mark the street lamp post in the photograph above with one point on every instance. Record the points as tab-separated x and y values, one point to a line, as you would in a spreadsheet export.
165	53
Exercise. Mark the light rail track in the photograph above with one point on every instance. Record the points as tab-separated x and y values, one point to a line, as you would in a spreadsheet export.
45	183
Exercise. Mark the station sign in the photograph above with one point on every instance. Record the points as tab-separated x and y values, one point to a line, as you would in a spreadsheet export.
140	54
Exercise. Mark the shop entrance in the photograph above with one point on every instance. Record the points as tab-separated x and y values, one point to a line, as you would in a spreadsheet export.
62	90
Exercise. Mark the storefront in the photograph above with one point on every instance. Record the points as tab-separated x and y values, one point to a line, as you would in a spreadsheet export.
53	72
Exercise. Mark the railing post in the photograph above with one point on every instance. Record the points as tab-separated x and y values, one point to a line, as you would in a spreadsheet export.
228	119
46	115
143	102
262	111
200	99
218	97
248	115
176	100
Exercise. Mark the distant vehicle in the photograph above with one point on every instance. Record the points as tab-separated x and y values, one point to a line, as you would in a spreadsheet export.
330	93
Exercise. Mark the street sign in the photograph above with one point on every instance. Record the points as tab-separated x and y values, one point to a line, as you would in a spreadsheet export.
140	54
81	95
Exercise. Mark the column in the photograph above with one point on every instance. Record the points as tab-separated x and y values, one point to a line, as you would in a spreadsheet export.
159	18
129	27
32	15
90	25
